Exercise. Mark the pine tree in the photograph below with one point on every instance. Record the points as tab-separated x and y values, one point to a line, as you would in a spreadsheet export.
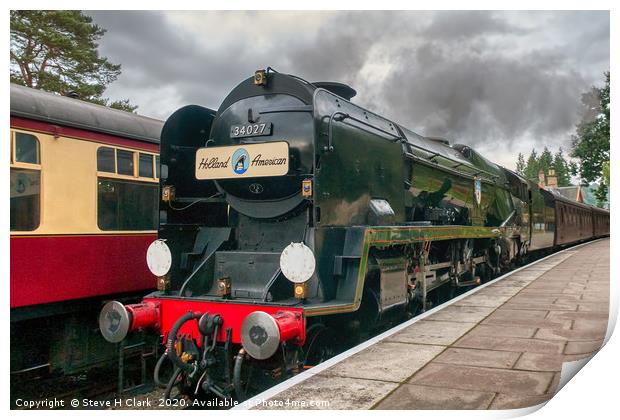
56	51
562	169
545	161
531	167
520	164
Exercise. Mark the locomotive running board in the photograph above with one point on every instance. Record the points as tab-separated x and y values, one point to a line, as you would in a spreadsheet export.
385	236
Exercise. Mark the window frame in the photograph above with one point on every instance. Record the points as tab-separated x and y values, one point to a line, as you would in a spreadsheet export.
136	162
15	164
115	176
123	179
14	160
152	157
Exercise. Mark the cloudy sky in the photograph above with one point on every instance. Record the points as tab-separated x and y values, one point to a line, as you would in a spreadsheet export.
503	82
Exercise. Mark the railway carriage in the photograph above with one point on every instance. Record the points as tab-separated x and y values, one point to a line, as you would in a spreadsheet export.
293	221
84	193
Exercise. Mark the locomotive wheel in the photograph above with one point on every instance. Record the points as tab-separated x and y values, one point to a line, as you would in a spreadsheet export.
320	345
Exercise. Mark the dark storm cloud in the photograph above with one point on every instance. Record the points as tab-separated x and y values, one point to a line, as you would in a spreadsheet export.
477	77
153	53
455	77
462	25
478	98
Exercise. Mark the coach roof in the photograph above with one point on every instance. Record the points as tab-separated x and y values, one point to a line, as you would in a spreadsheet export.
61	110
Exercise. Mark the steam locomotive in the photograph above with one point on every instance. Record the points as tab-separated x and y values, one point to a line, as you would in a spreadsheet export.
293	220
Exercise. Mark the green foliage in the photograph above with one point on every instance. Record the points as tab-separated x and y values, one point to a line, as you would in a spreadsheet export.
531	167
123	105
56	51
606	174
545	161
520	164
562	169
591	143
601	194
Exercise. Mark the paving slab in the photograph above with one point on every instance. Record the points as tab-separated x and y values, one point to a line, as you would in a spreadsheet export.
538	323
539	299
539	362
534	293
599	324
509	402
477	357
575	357
579	347
511	344
432	332
461	314
593	307
519	331
417	397
340	393
515	282
497	288
490	301
385	361
525	305
483	379
584	334
590	298
516	314
574	315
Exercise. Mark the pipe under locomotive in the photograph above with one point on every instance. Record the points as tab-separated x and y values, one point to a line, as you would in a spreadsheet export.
292	220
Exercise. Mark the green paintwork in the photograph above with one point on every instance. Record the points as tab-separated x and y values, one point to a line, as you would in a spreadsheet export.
351	156
362	165
375	158
397	235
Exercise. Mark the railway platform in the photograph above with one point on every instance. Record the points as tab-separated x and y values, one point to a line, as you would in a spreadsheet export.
500	346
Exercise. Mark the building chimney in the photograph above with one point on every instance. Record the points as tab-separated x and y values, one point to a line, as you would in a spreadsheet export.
579	194
552	180
541	178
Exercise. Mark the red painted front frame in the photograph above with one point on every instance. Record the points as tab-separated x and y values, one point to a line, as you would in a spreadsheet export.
48	269
233	314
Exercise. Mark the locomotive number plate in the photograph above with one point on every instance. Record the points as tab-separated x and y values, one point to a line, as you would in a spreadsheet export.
250	130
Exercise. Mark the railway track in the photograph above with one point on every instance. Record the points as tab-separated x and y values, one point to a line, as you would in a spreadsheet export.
51	391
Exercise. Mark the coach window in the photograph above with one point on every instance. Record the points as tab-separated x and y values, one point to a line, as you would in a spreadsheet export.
127	191
157	167
25	182
145	167
26	148
126	205
25	199
105	160
124	162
